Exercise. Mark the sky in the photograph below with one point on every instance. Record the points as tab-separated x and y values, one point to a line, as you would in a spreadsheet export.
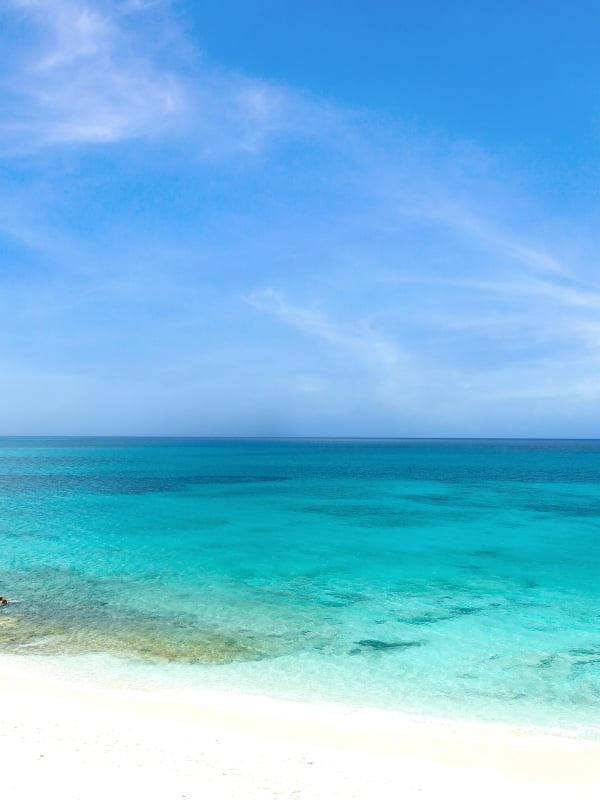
300	219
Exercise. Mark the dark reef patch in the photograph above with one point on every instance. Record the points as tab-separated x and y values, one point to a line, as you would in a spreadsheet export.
379	644
341	598
425	619
463	611
125	484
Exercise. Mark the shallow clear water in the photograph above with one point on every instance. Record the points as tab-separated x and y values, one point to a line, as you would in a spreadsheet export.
455	578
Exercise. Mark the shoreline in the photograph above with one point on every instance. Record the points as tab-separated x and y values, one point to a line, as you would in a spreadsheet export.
253	746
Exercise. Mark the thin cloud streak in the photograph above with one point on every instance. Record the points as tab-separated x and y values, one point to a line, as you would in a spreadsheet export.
391	375
476	228
361	340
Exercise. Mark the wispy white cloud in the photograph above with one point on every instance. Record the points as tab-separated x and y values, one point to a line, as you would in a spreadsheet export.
491	236
74	33
91	73
360	340
389	372
83	77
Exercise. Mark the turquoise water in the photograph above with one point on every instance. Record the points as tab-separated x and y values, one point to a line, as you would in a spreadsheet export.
454	578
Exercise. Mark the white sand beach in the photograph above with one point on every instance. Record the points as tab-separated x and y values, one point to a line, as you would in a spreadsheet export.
68	741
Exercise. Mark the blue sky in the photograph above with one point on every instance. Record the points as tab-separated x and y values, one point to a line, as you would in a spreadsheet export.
262	218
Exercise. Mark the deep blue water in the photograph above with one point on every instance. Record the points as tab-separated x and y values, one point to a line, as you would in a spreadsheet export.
455	578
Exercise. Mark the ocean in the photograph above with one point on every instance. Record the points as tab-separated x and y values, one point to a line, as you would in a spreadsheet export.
451	578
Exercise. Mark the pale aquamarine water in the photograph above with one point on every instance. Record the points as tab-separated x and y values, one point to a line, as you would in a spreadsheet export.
454	578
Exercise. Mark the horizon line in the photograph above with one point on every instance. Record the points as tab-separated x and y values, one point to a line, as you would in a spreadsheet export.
325	437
